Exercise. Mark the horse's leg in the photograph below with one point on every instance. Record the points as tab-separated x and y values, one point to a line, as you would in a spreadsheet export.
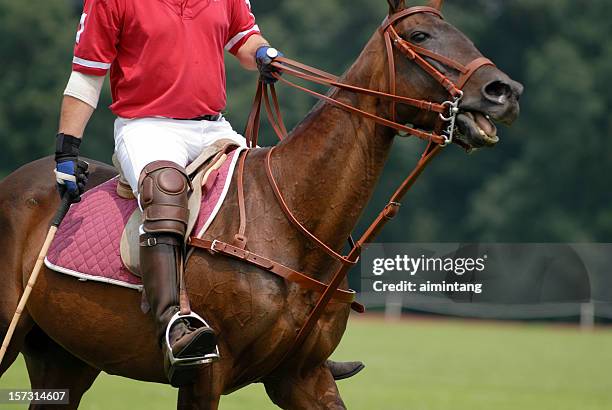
10	293
24	325
205	393
315	389
52	367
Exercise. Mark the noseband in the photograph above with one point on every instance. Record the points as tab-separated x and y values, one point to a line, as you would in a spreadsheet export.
419	55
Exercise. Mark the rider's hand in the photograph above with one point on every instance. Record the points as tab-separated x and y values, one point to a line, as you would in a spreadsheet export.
71	174
264	56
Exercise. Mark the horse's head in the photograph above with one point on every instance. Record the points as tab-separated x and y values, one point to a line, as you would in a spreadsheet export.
424	38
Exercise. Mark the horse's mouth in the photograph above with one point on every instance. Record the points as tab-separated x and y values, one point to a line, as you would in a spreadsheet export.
476	129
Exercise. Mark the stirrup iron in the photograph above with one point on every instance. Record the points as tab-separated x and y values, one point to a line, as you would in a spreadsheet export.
193	319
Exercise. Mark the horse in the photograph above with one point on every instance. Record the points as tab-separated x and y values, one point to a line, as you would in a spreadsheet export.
326	169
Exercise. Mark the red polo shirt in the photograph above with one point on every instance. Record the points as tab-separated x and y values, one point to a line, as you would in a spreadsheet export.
165	56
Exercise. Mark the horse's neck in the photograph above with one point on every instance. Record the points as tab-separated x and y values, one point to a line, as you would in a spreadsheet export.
329	166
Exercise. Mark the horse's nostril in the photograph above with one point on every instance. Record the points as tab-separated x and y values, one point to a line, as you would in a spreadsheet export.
497	91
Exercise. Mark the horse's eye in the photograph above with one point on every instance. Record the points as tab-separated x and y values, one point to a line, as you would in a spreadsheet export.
419	37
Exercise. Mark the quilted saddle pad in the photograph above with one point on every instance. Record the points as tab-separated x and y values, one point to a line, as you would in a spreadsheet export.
87	243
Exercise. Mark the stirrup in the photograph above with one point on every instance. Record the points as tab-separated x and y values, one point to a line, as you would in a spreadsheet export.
197	321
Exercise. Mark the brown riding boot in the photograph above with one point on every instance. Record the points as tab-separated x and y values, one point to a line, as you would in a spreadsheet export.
344	370
163	188
159	256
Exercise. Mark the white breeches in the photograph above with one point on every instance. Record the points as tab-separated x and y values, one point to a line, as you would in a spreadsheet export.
138	142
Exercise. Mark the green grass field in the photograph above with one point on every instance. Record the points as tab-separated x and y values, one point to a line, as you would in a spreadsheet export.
427	365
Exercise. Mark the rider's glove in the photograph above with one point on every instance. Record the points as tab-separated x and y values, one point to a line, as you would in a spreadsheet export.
264	56
70	173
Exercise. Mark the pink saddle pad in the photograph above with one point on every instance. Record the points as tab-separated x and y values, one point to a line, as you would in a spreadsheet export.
88	240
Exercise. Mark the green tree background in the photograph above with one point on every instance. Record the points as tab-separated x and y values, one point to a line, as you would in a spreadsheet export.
546	181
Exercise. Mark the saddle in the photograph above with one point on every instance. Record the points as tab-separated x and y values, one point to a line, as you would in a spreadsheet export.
202	172
98	239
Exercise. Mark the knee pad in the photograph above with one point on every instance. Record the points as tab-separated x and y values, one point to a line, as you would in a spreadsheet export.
163	188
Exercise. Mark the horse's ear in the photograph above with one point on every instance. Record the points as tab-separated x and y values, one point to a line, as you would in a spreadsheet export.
436	4
396	5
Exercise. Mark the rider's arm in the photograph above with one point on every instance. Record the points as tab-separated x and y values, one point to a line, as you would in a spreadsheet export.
74	116
243	37
246	53
94	52
80	99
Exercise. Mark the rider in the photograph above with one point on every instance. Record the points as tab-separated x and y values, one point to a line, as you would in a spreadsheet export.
167	79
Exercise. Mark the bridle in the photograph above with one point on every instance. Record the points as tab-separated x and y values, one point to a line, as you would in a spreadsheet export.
448	110
418	55
441	136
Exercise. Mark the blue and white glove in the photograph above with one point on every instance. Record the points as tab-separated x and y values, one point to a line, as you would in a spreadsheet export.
264	56
70	173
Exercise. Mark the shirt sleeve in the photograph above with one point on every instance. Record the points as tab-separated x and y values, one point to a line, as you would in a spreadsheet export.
97	37
242	25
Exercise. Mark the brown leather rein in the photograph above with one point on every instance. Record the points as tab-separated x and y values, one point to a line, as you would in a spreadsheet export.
447	111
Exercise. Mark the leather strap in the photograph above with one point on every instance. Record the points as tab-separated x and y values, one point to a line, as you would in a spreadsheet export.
438	57
285	208
388	213
184	305
275	116
471	68
286	65
251	132
408	50
151	240
379	120
310	74
339	295
161	212
391	64
415	53
394	18
240	239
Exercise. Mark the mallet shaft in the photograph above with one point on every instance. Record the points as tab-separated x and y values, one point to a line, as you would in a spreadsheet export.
27	291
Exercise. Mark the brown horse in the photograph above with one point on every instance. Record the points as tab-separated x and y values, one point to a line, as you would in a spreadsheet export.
327	170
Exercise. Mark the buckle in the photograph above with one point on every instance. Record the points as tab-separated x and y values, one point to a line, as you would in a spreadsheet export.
150	241
213	246
391	210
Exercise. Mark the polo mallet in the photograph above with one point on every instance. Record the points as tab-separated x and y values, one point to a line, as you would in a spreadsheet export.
57	220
